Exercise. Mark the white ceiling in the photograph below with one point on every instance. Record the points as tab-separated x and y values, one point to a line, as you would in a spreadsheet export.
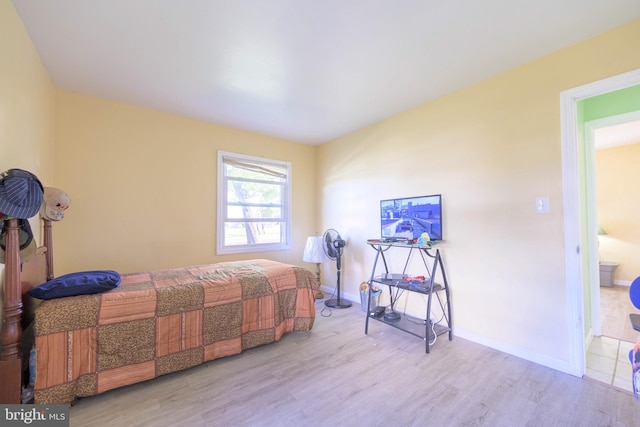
616	135
306	71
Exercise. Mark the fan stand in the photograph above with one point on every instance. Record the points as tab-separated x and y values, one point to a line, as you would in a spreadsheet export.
337	302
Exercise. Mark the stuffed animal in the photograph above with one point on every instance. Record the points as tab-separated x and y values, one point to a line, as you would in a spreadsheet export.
424	239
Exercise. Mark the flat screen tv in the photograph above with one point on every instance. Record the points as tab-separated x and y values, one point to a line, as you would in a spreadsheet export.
407	218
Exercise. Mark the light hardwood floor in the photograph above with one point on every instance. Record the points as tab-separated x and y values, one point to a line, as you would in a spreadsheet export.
337	376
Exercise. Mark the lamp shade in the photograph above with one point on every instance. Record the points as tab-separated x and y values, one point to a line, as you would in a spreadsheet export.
314	250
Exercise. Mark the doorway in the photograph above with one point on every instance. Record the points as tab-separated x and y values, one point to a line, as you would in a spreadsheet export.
613	140
580	235
610	132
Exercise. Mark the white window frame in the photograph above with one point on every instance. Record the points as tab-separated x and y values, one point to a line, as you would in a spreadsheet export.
285	239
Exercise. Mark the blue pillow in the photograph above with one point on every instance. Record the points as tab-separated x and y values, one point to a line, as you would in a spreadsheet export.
81	283
634	292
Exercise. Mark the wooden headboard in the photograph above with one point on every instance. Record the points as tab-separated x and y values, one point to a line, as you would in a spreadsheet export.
16	315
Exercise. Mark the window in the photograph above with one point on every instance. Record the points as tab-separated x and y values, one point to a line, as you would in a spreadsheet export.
254	208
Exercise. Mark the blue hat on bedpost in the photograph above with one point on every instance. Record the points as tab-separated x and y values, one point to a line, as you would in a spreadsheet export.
21	194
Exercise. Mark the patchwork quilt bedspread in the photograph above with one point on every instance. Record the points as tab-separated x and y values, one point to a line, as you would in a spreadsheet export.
164	321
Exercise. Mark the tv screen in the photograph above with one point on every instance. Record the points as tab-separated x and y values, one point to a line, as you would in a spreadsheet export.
407	218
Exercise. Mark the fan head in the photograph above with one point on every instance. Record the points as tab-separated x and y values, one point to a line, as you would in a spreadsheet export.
333	243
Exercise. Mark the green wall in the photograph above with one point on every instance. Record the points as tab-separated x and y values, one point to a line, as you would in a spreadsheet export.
609	104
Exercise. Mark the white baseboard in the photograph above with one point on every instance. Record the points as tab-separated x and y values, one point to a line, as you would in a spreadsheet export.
329	293
541	359
622	283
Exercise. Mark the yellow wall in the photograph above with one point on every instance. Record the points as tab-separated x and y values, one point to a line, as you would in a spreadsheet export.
26	106
143	186
26	101
618	196
490	149
143	183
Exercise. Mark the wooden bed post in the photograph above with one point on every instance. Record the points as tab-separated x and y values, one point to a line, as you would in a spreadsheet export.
11	355
48	243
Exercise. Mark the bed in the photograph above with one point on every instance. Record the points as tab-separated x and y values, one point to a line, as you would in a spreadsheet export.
153	324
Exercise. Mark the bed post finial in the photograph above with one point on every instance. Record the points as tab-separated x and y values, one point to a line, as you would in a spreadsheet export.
48	243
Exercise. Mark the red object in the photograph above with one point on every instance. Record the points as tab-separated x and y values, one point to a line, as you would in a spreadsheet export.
413	279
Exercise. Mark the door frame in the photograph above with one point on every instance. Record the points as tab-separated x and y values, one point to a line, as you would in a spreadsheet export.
580	214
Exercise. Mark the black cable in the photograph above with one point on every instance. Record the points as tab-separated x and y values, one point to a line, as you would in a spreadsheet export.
326	308
399	292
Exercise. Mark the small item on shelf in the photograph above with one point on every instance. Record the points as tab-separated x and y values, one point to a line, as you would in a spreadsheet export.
378	311
414	280
424	239
391	316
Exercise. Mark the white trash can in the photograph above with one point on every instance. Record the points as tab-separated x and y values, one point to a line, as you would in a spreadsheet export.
374	300
607	270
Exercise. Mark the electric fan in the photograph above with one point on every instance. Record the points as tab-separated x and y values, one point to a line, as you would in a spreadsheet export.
333	245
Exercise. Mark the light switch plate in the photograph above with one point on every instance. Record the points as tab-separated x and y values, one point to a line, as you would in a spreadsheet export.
542	205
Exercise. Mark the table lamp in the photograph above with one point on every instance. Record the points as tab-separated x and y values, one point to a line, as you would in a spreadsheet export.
314	252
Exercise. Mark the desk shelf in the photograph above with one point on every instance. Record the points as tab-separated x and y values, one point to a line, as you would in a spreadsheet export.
414	327
421	328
